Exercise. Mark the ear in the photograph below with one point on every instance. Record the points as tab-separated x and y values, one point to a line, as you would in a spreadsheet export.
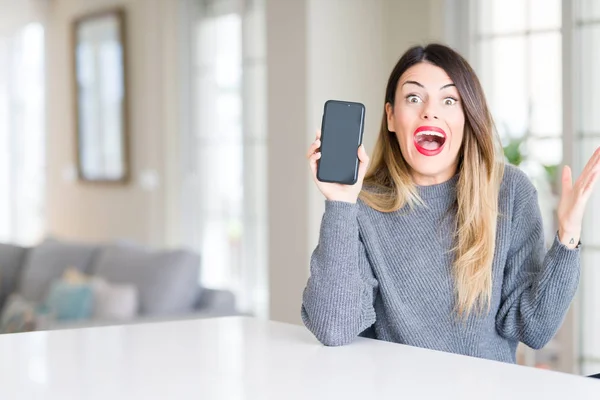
389	111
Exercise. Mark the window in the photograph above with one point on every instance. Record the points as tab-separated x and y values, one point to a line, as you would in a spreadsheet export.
519	56
22	136
224	188
586	67
517	46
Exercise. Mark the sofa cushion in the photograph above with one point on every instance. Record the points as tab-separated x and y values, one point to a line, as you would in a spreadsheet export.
167	281
18	315
69	301
47	262
11	261
114	301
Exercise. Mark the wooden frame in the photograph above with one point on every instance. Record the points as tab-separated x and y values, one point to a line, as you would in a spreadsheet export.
100	97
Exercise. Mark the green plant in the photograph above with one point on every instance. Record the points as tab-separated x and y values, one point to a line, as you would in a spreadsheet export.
512	151
515	154
552	171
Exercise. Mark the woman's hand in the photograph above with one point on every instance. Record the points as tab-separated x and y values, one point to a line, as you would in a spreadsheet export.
337	191
573	200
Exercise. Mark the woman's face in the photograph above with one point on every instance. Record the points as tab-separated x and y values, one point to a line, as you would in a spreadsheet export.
428	120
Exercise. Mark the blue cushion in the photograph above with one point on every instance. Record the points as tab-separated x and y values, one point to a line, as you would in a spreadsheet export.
70	301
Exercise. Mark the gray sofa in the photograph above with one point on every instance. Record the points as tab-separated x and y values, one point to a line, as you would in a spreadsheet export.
166	281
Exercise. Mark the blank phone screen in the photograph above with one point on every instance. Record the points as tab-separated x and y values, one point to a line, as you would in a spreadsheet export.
341	134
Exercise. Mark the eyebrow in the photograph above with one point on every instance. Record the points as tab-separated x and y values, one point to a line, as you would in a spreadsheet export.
421	86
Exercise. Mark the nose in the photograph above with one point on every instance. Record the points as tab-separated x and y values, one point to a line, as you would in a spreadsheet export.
429	113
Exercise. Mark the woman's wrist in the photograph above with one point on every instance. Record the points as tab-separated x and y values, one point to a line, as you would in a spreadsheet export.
349	201
343	198
569	238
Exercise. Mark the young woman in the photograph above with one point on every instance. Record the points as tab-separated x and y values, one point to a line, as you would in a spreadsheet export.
442	246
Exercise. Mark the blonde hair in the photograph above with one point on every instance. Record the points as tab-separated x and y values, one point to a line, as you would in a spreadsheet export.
389	185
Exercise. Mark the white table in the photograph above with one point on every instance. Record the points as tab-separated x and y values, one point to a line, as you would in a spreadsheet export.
243	358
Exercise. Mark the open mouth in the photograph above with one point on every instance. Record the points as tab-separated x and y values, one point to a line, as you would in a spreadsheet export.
429	140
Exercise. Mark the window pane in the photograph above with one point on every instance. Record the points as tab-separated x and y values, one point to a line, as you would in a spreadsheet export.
224	213
22	136
590	304
254	30
585	148
30	173
545	14
254	255
229	115
205	93
219	148
501	16
255	294
589	79
547	152
588	10
505	83
218	256
255	101
545	72
591	222
219	71
228	56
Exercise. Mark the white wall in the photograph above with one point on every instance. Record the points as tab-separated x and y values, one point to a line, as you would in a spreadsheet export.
287	88
409	23
15	14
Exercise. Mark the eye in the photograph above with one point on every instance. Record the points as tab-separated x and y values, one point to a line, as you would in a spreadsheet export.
450	101
413	98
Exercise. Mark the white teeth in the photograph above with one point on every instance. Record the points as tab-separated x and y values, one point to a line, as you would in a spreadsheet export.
430	133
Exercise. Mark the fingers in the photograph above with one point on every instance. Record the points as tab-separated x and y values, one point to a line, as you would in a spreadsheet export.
593	162
567	180
593	174
595	159
313	148
313	154
589	185
591	169
362	154
313	162
364	161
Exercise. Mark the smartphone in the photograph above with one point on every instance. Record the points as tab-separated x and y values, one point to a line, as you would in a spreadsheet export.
341	134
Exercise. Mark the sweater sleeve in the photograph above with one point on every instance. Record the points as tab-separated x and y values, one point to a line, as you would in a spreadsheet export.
338	299
538	286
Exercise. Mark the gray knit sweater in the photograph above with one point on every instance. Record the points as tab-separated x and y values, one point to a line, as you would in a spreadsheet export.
388	276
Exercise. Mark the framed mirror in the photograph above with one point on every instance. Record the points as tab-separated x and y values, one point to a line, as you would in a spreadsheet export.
101	97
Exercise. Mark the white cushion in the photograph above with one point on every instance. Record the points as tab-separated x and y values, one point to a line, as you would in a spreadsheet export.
114	301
